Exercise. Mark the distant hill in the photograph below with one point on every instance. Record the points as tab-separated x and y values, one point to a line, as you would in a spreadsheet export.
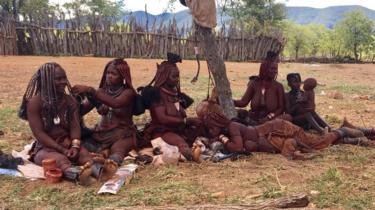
327	16
303	15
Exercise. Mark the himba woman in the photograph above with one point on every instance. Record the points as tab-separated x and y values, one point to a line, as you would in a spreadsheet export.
277	136
114	135
167	107
265	93
53	116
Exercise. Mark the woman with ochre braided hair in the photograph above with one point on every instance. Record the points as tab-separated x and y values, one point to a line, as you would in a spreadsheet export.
115	132
167	106
265	93
53	116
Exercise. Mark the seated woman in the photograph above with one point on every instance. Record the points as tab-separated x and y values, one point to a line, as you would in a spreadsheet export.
53	116
276	136
115	132
265	93
167	108
301	104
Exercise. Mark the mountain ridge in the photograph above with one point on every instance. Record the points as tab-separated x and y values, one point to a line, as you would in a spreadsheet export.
328	16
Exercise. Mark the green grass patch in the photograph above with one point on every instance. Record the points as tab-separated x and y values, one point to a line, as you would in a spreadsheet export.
270	185
337	190
332	119
167	192
329	186
351	89
9	120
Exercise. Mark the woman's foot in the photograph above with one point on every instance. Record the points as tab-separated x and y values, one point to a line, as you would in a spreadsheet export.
196	153
109	169
85	177
297	155
346	123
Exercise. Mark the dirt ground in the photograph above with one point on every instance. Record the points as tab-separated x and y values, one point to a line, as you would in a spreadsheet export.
342	178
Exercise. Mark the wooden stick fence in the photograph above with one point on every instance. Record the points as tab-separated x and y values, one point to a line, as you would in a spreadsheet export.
128	40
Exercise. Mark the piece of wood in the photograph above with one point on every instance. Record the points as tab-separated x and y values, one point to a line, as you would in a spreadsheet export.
297	201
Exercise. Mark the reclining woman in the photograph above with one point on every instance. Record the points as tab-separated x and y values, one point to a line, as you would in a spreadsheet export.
265	93
167	106
53	116
115	132
277	136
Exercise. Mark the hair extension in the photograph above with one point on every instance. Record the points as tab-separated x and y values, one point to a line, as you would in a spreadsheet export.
42	83
216	119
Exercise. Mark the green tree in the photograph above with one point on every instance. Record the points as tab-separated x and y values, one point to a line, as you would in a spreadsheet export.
260	12
105	12
297	39
76	9
356	30
315	34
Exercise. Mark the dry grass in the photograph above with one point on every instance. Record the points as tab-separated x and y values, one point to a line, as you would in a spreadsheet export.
343	177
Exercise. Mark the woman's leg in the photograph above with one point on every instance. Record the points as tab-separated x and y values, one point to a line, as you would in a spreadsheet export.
62	162
176	140
120	149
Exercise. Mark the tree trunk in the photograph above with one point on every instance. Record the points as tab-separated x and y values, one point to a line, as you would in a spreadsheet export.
296	51
217	67
355	53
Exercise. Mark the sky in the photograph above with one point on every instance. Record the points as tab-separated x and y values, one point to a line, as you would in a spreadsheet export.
159	6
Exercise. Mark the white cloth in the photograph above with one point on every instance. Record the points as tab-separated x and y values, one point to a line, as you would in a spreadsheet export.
170	154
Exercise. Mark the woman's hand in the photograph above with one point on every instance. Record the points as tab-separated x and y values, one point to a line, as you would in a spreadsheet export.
78	89
103	109
72	153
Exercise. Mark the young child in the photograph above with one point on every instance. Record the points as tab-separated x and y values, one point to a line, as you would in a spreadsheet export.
301	104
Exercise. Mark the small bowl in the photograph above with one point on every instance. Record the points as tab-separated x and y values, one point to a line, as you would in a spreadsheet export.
54	175
48	164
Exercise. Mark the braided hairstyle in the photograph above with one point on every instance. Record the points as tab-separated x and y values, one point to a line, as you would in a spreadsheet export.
151	93
164	69
216	119
266	64
42	83
124	70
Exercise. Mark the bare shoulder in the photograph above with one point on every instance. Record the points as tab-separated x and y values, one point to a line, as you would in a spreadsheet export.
35	101
278	85
234	128
129	91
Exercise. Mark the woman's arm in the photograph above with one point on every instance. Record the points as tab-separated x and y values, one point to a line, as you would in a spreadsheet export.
235	143
159	112
124	99
75	126
246	98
